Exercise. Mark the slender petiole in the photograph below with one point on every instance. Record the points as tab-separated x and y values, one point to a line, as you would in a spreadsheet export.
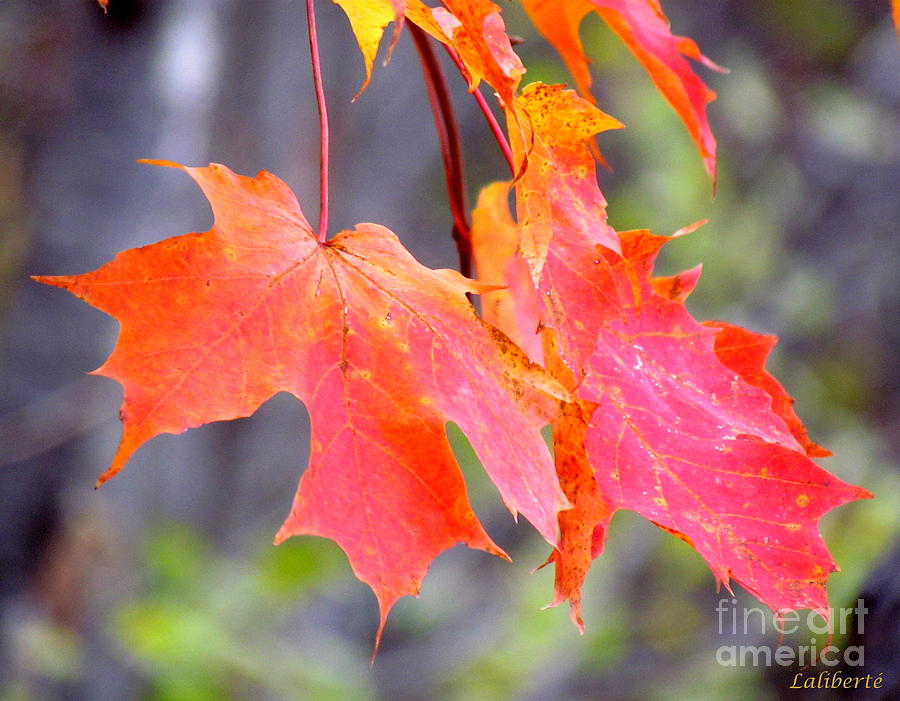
488	115
323	121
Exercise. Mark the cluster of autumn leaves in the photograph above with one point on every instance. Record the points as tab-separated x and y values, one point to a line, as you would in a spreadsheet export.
651	410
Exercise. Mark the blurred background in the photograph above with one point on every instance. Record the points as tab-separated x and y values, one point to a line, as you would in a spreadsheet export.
164	585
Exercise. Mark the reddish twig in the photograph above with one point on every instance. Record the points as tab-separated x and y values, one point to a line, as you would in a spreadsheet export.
323	120
451	145
488	115
497	131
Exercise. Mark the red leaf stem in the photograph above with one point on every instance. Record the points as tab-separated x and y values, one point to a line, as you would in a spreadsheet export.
323	121
494	125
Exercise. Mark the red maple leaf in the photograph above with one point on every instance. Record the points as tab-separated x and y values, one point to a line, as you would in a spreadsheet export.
696	447
679	421
382	351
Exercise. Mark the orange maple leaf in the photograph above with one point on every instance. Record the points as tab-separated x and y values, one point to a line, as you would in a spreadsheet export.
382	351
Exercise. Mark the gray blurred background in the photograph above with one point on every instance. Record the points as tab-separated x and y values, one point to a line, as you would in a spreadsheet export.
163	585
